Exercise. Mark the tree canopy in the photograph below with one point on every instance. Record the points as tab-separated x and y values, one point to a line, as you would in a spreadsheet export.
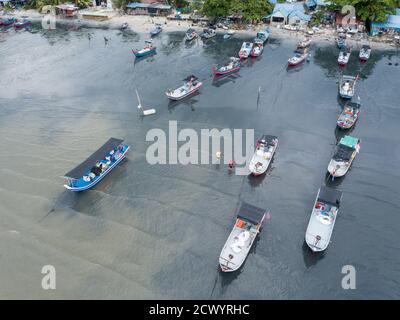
370	10
250	10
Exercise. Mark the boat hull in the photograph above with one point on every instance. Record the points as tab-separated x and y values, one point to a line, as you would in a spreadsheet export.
222	73
95	182
185	95
144	54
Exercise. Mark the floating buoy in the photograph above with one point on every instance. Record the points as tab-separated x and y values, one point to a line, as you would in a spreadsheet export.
218	154
231	164
144	112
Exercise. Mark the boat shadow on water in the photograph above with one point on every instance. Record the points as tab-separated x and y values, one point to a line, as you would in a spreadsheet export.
219	81
149	58
189	101
311	258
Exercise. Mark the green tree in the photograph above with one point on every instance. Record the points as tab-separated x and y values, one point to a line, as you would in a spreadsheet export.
369	10
121	4
251	10
216	8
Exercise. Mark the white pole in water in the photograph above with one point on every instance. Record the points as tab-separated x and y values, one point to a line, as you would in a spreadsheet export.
145	112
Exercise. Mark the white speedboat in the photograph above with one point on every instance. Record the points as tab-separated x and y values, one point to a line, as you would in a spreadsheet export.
265	150
323	217
190	86
245	50
347	86
344	56
191	34
247	226
365	53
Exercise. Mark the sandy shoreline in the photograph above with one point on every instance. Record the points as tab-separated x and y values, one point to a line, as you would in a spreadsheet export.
143	25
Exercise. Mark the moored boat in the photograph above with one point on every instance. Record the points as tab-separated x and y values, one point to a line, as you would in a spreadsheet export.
343	157
365	53
299	57
304	43
8	22
148	49
232	66
190	86
229	34
190	34
22	24
347	86
323	217
97	166
208	33
262	158
124	26
262	35
156	30
247	226
344	56
245	50
341	42
349	115
257	49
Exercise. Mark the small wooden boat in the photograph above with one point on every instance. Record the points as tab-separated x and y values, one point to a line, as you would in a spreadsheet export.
97	166
299	57
257	49
345	153
247	226
156	30
190	86
365	53
208	33
232	66
262	35
349	115
124	26
323	217
304	44
191	34
344	56
245	50
347	86
22	24
265	150
148	49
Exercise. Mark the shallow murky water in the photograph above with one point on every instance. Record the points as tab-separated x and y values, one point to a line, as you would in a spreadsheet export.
157	231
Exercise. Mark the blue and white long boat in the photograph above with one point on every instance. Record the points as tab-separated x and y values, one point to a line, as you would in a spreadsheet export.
95	168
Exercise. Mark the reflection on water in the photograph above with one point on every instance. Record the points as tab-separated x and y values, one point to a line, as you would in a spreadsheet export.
156	231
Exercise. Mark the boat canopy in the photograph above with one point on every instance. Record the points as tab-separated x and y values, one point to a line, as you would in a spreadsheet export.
349	141
267	138
100	154
343	153
329	195
190	78
251	213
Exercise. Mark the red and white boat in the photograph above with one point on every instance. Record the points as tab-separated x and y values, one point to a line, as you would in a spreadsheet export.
299	57
262	158
232	66
257	49
245	50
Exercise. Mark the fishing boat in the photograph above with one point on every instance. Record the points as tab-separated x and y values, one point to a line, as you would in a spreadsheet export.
262	35
349	115
265	150
365	53
22	24
257	49
208	33
345	153
190	34
347	86
156	30
7	22
148	49
232	66
341	42
97	166
248	225
323	217
299	57
344	56
304	43
190	86
245	50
